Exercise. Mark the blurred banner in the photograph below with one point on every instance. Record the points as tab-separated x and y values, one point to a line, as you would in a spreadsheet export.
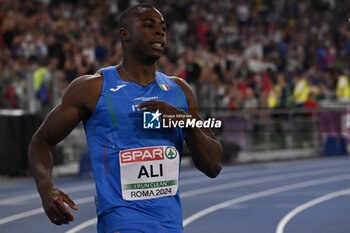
16	130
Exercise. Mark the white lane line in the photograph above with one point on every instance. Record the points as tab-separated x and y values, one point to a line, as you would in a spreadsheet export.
216	188
259	181
21	215
272	165
38	211
26	197
264	193
203	190
18	199
83	225
252	173
188	181
200	191
226	169
281	225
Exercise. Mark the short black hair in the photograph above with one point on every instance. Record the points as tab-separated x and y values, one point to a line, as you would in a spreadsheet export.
131	11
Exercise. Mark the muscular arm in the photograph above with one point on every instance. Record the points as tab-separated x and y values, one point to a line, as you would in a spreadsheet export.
77	104
206	151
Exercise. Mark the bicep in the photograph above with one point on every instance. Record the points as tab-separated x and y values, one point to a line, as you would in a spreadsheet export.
65	116
59	123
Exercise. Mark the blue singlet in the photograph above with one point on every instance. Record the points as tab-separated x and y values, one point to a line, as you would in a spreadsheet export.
121	152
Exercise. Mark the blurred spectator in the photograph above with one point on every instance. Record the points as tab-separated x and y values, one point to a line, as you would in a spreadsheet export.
20	91
284	92
273	99
10	97
250	101
224	49
343	88
101	50
233	98
192	70
301	91
311	103
324	93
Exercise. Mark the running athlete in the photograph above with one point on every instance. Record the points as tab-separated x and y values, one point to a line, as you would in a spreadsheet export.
136	170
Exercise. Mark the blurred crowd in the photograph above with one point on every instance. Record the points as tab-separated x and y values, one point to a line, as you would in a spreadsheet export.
234	53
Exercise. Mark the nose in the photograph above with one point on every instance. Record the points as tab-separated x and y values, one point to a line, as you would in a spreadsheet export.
160	31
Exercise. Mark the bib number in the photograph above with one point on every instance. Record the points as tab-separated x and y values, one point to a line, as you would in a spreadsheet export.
149	172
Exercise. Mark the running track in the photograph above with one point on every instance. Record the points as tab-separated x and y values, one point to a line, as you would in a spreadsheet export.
284	197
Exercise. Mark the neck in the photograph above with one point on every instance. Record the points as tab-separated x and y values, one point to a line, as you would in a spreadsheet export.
141	74
138	71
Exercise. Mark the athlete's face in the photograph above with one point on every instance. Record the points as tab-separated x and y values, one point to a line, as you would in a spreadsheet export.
148	33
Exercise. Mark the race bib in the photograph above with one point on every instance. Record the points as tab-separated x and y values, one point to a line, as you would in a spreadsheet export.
149	172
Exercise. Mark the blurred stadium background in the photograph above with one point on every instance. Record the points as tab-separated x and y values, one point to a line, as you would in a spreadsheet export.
275	72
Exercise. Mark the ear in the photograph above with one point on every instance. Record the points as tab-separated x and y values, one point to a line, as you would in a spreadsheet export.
124	34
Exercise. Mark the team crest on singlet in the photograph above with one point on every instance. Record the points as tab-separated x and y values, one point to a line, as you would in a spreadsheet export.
164	87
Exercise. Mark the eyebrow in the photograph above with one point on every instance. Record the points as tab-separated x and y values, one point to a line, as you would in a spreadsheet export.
150	19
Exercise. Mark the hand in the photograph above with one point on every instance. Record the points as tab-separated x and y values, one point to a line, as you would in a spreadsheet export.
163	107
53	203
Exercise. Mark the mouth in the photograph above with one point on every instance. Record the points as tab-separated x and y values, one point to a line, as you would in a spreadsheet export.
158	45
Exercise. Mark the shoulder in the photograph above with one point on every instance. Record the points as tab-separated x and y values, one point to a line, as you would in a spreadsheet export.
187	90
84	91
173	80
181	82
85	83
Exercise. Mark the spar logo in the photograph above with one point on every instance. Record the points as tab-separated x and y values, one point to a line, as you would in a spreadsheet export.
170	152
141	154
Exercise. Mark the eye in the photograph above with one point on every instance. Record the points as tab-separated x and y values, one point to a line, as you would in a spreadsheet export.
147	25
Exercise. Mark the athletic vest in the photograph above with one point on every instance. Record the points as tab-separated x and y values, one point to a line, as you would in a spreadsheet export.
136	170
343	88
273	98
301	92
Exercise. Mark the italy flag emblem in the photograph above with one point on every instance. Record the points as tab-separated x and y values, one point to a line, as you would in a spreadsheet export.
164	87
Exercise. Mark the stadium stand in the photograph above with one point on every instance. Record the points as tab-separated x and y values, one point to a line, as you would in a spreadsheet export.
225	49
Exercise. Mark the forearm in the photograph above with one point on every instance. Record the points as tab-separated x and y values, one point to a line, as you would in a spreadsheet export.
206	151
40	162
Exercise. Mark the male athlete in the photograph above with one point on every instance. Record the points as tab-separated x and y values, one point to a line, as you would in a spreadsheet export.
136	170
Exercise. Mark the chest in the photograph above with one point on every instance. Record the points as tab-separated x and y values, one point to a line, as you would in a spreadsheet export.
123	100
